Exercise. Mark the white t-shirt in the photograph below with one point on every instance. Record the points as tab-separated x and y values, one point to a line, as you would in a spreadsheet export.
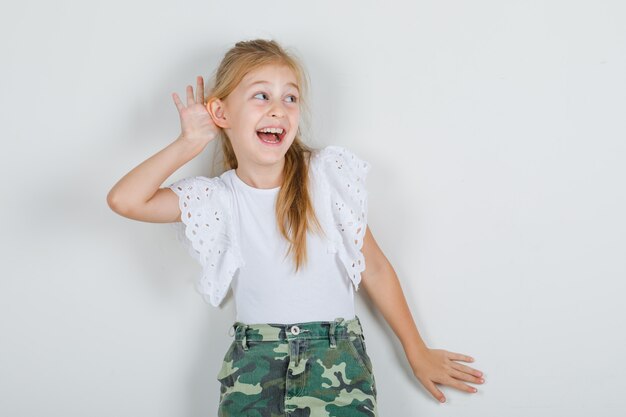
230	228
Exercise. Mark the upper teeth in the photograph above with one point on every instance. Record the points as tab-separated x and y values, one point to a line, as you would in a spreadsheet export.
272	130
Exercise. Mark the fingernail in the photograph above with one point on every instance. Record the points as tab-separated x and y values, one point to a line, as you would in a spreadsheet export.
443	400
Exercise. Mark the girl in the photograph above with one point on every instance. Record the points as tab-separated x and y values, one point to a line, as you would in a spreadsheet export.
298	347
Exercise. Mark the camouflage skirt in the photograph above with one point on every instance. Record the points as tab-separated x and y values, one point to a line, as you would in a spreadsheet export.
312	369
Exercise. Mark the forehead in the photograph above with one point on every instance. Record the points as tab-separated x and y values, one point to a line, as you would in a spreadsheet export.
270	75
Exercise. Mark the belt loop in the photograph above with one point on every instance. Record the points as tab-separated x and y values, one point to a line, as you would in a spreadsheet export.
360	326
297	350
331	334
244	341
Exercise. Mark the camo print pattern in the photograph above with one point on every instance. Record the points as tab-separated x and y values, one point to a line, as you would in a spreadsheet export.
323	370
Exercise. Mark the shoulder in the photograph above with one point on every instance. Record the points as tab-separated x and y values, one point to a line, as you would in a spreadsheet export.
340	157
335	151
199	191
339	164
197	185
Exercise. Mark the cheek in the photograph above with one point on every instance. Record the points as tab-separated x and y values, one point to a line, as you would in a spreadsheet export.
253	113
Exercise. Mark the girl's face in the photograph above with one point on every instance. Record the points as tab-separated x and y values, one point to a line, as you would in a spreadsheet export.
265	97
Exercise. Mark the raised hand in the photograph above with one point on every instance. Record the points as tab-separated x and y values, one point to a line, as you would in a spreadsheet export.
196	123
439	366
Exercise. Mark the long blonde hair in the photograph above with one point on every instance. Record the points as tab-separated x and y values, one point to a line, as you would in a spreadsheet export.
294	208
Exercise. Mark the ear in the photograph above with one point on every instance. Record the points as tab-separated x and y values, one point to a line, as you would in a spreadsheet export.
216	109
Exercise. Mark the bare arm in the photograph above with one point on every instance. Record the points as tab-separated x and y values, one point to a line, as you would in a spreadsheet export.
383	287
137	195
430	366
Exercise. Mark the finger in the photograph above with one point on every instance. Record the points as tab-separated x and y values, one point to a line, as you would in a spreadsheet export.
460	357
179	104
454	383
200	90
434	391
467	369
190	99
465	377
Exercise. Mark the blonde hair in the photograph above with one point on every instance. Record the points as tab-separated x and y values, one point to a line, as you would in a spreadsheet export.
294	208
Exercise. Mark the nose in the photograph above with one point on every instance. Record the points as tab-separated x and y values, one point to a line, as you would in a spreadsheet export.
276	113
277	110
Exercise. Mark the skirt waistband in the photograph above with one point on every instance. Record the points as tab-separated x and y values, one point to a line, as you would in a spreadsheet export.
338	328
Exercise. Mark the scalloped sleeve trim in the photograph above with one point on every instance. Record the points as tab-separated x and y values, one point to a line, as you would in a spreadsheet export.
343	181
208	233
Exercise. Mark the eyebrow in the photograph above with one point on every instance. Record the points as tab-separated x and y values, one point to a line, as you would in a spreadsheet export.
267	82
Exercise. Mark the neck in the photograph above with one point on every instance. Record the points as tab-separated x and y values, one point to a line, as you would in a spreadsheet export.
263	177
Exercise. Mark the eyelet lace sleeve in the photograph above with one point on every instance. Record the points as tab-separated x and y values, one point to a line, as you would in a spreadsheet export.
342	177
207	231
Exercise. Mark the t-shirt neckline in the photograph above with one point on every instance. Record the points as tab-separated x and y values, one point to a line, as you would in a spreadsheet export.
251	188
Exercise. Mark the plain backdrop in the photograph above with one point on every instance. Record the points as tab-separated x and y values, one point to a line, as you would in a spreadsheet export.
496	134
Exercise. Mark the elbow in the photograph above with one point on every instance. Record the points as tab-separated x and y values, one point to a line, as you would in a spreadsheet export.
116	204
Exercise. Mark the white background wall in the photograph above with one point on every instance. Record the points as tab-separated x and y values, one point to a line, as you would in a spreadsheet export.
495	130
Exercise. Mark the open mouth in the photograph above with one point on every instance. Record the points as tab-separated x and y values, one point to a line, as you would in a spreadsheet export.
271	137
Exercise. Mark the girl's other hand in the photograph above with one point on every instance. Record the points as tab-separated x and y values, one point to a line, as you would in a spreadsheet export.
196	123
438	365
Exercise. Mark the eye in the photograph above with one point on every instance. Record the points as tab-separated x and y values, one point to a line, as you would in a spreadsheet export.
294	97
